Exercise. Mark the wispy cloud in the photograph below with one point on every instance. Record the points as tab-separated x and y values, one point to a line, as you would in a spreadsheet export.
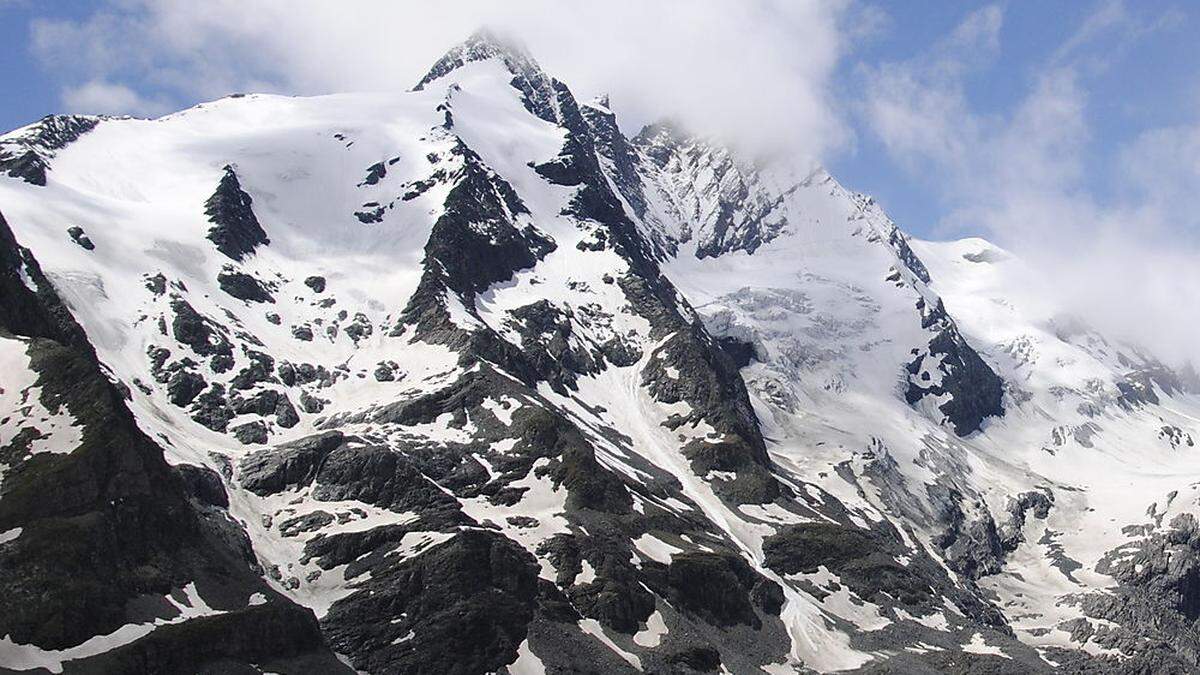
759	71
1126	259
107	98
1112	19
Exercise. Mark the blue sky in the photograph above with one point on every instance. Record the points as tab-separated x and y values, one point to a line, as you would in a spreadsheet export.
1068	132
1142	73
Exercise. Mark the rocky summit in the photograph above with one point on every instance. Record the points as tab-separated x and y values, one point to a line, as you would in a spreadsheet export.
473	379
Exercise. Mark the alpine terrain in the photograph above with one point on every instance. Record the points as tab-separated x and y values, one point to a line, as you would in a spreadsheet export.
473	379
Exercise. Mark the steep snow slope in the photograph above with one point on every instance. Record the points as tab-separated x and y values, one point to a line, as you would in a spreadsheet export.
1108	434
490	384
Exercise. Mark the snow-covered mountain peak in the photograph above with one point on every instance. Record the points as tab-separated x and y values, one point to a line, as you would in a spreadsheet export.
482	45
466	379
25	153
536	87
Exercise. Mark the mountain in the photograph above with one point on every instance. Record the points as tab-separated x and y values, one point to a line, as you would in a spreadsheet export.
468	379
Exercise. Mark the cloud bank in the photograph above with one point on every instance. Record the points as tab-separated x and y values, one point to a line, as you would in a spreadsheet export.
759	72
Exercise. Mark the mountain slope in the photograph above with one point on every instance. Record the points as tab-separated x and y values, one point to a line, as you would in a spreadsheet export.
490	384
108	552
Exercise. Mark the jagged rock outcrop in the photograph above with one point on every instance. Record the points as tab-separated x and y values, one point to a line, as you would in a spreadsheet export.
235	230
27	153
950	371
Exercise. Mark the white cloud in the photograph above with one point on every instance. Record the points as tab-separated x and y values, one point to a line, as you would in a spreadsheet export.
759	71
1123	260
98	97
1163	168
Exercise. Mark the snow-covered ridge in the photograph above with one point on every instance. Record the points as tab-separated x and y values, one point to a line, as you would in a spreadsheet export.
472	355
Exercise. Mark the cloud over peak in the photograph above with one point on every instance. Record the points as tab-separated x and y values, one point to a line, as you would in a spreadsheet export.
759	72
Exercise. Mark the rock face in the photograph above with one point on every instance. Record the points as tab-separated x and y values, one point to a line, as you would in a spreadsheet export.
235	229
517	392
243	287
972	391
477	579
79	237
535	87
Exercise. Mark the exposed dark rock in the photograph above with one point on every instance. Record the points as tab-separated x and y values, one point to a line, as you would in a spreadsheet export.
243	286
612	145
372	214
616	600
690	368
262	403
1155	605
1176	437
250	433
205	337
385	371
281	639
589	485
285	413
1137	389
204	484
316	283
78	236
899	243
1037	503
156	284
221	363
235	229
417	188
477	579
286	372
970	542
741	353
717	587
28	155
375	173
381	477
211	408
861	559
261	369
702	658
975	391
287	466
546	334
476	242
309	522
524	522
184	386
310	403
360	327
